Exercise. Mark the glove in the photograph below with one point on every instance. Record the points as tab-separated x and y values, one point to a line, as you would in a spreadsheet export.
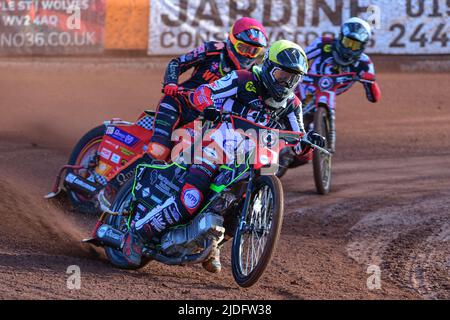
171	89
211	113
316	139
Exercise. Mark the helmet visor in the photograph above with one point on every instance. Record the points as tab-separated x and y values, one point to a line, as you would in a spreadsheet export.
348	43
253	36
286	79
245	49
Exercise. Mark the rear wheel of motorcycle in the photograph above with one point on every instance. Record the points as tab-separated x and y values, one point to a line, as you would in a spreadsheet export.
321	161
256	237
84	150
121	203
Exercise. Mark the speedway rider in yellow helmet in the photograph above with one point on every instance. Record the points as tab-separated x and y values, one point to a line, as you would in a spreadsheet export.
268	88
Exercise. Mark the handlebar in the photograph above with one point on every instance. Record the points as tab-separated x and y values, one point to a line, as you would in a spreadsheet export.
181	90
328	153
224	116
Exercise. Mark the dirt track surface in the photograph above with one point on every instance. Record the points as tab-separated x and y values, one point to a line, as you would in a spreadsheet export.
389	207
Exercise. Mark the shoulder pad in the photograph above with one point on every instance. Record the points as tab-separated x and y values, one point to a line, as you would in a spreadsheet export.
294	101
327	40
214	47
246	79
365	58
366	64
244	74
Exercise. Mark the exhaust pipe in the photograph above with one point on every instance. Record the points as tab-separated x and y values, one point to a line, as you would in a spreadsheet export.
81	185
109	236
56	188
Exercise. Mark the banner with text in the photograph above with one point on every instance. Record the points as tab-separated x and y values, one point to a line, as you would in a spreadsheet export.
51	26
399	27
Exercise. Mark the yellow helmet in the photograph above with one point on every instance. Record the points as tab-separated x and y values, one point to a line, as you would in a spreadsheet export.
283	68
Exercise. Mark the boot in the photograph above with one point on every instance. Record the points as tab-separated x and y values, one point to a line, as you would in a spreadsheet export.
132	247
153	224
212	264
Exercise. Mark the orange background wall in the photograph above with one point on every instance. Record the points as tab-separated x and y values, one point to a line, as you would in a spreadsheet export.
126	24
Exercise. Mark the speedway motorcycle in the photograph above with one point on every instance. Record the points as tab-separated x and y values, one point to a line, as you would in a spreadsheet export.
243	204
319	115
105	158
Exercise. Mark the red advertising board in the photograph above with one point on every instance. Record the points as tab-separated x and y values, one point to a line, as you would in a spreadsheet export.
51	26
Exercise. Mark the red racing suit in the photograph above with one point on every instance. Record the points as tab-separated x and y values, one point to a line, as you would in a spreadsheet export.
209	62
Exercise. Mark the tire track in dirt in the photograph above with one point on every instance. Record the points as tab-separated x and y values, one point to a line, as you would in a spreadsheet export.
410	242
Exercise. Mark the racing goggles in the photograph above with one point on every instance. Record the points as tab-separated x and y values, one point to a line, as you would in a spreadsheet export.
245	49
354	45
286	79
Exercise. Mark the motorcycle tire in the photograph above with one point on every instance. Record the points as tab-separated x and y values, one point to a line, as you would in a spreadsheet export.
322	162
88	143
271	230
115	256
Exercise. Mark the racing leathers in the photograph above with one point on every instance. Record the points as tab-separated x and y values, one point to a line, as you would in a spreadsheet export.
321	61
239	92
175	109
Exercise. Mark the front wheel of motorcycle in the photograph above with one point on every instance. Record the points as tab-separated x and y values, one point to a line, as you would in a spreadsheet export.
121	203
321	161
85	150
258	232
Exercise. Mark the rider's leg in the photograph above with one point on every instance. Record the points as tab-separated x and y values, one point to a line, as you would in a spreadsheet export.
212	264
175	210
168	115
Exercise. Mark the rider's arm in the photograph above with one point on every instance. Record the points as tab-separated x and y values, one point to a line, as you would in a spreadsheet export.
295	123
295	116
373	91
313	52
213	94
179	65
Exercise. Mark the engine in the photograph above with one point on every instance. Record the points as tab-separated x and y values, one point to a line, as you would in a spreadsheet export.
191	238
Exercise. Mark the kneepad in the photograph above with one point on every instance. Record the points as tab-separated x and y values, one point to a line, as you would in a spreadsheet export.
158	151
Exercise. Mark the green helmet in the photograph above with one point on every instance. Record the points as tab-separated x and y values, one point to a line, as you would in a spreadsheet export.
282	70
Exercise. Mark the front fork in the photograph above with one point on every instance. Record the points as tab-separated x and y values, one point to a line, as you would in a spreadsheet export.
245	207
332	121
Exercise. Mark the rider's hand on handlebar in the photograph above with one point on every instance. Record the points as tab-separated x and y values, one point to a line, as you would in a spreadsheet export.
316	139
170	89
211	114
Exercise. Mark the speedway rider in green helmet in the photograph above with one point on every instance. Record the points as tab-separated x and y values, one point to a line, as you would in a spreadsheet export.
268	88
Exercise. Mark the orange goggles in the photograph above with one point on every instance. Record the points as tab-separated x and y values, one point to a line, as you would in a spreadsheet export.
245	49
351	44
